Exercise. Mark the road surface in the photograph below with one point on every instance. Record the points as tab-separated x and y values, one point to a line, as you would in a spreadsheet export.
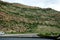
19	35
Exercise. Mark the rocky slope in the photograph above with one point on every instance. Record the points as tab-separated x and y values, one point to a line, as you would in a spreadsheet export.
20	18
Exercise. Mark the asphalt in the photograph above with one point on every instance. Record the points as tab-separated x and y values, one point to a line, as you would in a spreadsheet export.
19	35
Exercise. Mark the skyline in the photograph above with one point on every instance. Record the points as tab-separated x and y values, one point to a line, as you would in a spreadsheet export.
54	4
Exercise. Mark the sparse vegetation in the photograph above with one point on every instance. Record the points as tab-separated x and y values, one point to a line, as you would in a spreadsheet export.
52	34
23	19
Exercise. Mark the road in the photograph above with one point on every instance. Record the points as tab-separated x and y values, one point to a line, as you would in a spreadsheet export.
19	35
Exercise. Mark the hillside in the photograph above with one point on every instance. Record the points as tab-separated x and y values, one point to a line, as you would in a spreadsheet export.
18	18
